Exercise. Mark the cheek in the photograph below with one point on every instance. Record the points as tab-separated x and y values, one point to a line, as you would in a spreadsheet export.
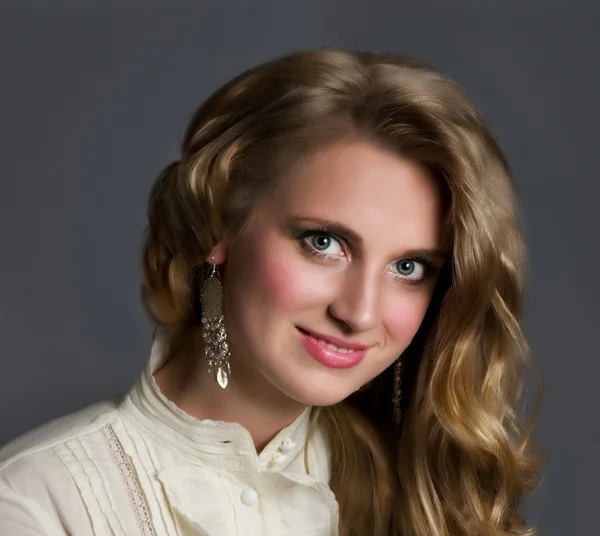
269	278
280	281
404	315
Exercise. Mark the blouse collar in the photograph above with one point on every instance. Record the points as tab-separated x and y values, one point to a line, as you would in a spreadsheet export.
208	440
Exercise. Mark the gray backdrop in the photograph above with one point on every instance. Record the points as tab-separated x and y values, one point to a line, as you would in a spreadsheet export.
93	102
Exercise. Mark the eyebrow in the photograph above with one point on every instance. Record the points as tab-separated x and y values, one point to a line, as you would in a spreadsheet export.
434	255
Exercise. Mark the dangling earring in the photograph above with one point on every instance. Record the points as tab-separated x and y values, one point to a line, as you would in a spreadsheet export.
397	391
216	349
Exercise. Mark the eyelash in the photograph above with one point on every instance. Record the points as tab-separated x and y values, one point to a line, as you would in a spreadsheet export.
428	268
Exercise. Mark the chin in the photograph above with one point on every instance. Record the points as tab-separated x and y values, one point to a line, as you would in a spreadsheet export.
314	394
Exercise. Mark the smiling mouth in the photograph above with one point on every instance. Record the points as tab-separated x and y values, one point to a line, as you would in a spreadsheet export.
335	342
330	354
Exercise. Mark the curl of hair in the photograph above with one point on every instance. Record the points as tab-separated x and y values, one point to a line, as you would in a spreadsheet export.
462	459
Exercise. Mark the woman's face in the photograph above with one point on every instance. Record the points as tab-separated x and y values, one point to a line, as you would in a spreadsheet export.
347	251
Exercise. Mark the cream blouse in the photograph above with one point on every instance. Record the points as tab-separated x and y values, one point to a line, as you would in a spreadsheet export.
142	466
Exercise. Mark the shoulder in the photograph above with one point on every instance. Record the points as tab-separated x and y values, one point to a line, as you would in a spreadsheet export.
38	494
35	448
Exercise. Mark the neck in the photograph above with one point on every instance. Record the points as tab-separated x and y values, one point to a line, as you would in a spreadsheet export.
249	399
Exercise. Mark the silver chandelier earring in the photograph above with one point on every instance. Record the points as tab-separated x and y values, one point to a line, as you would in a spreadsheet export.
216	348
397	391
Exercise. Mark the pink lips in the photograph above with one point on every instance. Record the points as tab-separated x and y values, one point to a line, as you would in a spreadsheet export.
346	355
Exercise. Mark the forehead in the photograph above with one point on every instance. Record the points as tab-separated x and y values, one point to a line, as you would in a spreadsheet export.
377	194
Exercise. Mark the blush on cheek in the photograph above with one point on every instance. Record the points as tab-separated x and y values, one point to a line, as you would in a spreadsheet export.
404	318
265	271
285	281
270	275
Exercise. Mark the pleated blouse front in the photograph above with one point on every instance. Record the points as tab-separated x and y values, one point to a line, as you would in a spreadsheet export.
141	466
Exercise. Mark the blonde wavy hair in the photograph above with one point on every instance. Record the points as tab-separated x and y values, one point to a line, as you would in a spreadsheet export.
462	459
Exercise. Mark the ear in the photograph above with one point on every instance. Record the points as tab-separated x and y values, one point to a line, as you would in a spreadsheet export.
218	255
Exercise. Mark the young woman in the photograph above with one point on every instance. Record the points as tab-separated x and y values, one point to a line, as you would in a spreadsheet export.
335	273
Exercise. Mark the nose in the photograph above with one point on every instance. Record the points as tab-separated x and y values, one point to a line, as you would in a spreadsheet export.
357	303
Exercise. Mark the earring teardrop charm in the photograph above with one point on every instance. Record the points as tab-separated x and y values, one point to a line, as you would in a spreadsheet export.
222	378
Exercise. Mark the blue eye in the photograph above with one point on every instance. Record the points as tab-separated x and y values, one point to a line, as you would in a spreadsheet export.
322	244
320	241
410	269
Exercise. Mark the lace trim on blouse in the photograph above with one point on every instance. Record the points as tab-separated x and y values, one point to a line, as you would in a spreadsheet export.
132	485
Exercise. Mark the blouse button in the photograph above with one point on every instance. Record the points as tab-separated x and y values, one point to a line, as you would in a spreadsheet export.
287	444
249	497
278	458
